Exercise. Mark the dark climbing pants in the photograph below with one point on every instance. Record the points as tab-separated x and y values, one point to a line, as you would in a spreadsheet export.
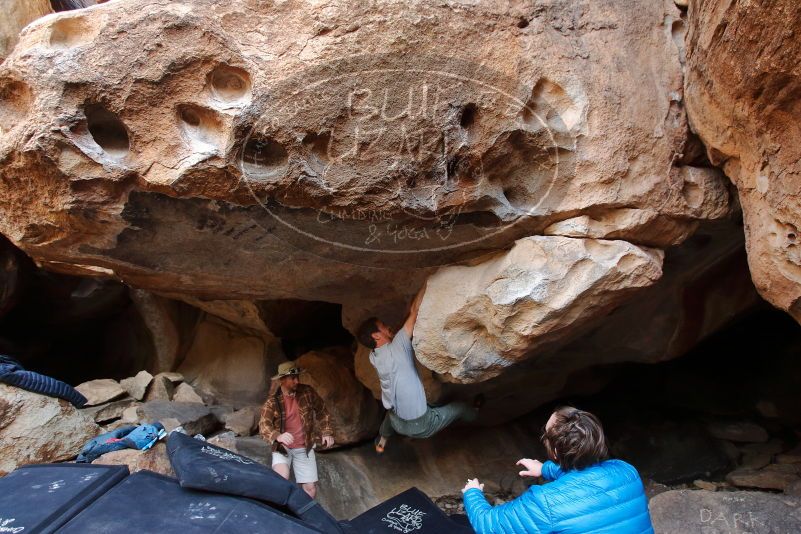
435	419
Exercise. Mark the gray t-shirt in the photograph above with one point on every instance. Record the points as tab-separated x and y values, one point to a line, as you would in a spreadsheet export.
401	387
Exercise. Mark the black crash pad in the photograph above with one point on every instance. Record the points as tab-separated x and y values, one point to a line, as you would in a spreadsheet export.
409	512
200	465
41	498
149	502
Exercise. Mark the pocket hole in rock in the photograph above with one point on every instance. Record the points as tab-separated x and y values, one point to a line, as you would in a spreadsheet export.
230	84
317	146
201	127
263	156
107	130
468	116
72	31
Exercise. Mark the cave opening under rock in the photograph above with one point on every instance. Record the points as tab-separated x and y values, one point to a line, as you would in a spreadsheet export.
677	421
596	200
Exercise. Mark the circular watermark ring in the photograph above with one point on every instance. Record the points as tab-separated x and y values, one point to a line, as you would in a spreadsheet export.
405	159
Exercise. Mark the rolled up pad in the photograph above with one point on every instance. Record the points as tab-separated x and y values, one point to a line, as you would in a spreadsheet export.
409	512
41	498
203	466
149	502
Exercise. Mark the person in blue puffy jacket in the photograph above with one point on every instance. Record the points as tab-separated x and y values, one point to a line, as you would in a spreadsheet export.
586	492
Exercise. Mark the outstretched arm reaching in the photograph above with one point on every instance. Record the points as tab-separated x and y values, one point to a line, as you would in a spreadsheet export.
408	325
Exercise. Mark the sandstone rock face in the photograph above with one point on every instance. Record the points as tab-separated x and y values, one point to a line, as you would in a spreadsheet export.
242	313
742	98
683	511
228	366
355	414
232	153
16	15
38	429
154	459
229	164
476	320
159	315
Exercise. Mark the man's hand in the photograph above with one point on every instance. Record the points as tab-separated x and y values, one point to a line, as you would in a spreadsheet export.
328	441
285	439
473	483
533	468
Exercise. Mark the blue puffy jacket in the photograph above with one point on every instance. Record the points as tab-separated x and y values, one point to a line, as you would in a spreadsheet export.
607	497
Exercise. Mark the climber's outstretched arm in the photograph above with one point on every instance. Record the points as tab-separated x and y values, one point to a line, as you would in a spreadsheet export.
415	307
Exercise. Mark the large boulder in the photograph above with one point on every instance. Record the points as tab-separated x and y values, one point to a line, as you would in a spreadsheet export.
240	156
742	90
477	320
355	414
39	429
683	511
229	165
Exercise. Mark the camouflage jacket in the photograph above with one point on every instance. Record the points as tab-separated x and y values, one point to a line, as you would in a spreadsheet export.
313	415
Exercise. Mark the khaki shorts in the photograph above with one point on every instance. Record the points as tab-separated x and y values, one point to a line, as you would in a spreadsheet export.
304	466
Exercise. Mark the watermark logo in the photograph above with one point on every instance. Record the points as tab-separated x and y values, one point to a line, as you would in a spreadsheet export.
404	518
379	158
223	455
6	526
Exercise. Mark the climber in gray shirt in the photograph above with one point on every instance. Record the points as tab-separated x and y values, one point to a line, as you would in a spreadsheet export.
402	392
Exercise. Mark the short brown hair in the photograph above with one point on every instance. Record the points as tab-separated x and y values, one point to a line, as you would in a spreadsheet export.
576	440
366	331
